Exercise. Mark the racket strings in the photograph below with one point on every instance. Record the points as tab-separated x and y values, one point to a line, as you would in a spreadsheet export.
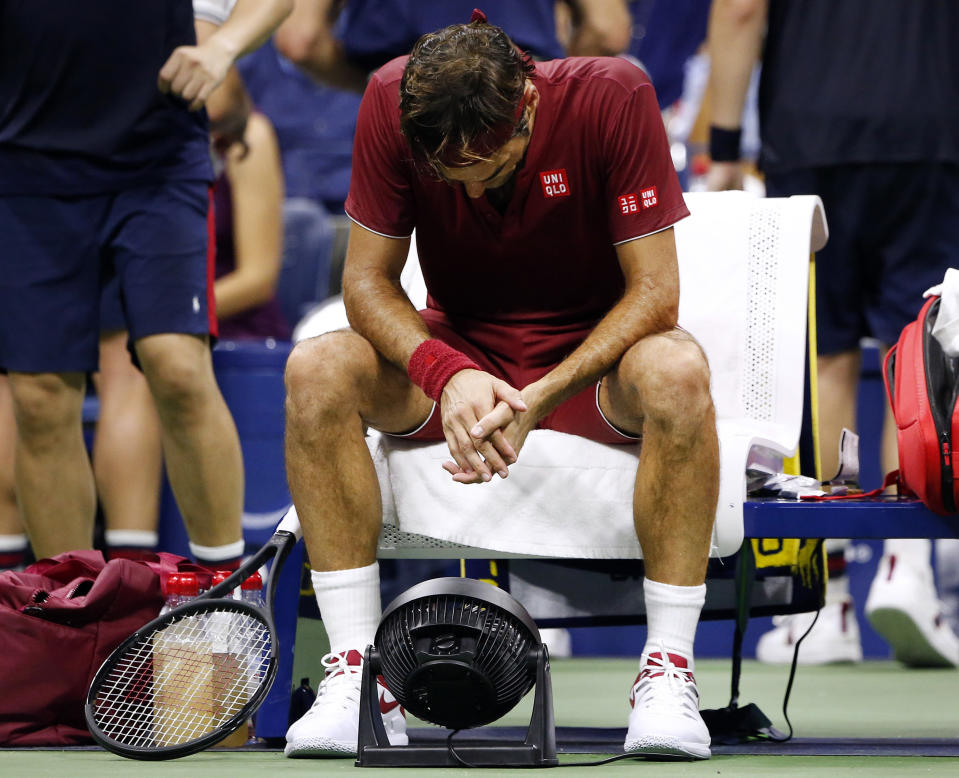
184	680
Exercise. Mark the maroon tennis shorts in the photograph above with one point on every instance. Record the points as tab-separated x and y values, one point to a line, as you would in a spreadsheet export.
519	355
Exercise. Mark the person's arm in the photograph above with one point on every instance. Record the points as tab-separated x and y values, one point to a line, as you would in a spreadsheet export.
376	305
193	72
379	310
734	40
649	305
256	191
229	105
600	28
306	39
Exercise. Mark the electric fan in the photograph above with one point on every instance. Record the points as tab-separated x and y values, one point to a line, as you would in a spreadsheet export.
459	653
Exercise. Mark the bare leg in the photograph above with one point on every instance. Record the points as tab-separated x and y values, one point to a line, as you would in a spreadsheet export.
10	523
200	442
336	385
127	453
838	378
661	386
54	480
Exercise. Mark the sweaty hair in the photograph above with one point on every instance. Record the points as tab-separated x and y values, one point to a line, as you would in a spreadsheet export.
460	92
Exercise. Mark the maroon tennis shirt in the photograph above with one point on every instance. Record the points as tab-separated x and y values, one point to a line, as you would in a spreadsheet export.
597	172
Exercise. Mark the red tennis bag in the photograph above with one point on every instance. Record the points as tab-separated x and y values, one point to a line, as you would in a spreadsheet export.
922	387
59	620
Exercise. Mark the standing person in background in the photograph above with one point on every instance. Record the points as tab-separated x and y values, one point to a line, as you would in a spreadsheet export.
127	450
859	104
248	203
340	42
104	169
127	453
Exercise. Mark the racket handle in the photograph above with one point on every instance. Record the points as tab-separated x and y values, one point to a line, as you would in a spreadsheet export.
291	523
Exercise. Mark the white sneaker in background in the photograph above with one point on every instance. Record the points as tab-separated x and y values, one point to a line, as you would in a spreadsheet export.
665	719
558	641
331	726
904	609
834	639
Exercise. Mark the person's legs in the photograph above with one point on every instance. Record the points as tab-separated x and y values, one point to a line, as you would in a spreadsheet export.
661	388
835	637
843	283
127	454
13	537
200	442
54	479
337	384
48	341
158	238
916	240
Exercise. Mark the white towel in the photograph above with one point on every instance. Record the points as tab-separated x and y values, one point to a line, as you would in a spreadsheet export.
565	497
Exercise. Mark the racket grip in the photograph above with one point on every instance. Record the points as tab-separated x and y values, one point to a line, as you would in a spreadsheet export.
291	523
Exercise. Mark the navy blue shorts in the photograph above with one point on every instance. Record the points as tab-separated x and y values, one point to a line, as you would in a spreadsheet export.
58	253
893	232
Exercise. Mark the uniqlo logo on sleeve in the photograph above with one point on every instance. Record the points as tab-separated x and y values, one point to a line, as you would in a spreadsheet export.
648	197
554	183
628	203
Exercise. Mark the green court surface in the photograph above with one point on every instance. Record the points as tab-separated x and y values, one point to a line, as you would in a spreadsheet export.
885	720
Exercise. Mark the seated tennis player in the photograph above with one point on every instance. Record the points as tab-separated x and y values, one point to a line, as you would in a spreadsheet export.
543	198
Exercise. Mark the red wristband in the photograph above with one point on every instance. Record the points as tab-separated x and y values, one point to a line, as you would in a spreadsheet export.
434	363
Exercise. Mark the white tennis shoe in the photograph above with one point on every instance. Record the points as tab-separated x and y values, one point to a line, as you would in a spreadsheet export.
903	607
834	639
331	726
665	720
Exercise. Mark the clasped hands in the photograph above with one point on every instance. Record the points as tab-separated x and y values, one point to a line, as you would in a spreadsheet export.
485	421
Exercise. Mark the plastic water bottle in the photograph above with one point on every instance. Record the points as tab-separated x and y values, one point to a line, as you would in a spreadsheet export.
251	591
180	588
219	577
183	673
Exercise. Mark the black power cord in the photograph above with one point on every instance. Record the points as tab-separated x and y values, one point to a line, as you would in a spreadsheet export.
789	685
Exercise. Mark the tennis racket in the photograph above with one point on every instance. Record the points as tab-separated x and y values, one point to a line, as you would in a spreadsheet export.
194	674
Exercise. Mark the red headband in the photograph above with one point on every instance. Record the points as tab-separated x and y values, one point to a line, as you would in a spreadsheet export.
478	16
486	143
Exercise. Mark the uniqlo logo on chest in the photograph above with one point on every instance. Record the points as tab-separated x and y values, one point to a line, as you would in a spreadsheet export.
555	183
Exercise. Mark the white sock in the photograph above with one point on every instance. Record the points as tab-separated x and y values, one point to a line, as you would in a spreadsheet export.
17	542
672	613
350	607
131	538
210	555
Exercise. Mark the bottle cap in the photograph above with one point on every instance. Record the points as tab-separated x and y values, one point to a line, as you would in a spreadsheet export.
184	584
253	582
219	577
171	584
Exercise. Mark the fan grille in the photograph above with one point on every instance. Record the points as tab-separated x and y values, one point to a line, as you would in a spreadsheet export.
479	638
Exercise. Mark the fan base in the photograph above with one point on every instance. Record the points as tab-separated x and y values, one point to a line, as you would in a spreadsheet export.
537	750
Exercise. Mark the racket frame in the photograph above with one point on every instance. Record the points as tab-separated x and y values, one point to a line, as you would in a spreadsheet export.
278	547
